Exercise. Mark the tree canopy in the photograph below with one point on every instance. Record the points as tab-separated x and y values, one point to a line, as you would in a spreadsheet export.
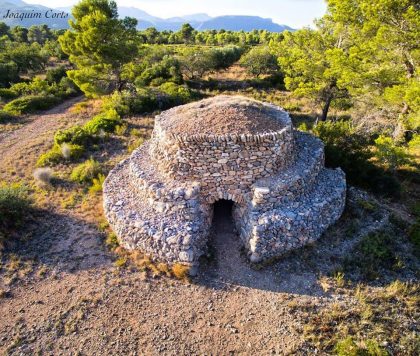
99	44
367	50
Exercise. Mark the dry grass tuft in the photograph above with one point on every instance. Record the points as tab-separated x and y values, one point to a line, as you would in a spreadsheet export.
180	271
43	176
164	268
66	150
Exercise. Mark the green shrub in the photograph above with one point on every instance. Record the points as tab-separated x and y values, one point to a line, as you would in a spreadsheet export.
167	70
348	347
66	88
9	73
349	150
75	135
14	204
259	60
226	56
54	75
145	100
389	154
7	94
51	157
175	94
97	184
32	103
376	250
86	172
118	101
59	153
103	122
35	87
6	116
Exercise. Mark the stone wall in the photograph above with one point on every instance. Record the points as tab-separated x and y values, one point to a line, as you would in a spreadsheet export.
225	165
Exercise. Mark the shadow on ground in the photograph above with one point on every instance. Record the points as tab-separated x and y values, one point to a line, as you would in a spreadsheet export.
62	243
299	271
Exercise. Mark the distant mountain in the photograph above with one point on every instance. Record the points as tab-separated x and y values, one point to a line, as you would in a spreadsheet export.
196	17
198	21
245	23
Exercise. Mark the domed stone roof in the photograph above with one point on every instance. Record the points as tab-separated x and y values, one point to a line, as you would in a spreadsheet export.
223	115
161	198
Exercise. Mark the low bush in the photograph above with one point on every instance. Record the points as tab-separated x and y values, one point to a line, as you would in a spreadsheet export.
145	100
43	175
226	56
7	94
351	151
97	184
6	116
260	60
175	95
75	135
51	157
105	122
348	347
59	153
86	172
375	251
14	204
166	70
54	75
31	103
63	88
389	154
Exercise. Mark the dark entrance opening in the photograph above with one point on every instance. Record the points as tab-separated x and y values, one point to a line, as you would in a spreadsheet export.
222	215
222	233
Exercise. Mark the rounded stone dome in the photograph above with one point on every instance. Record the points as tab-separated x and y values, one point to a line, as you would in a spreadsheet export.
160	200
223	115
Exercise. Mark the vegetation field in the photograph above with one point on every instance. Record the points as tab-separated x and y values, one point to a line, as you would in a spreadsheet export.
73	103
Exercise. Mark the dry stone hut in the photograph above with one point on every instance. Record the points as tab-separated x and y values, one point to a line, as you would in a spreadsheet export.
161	199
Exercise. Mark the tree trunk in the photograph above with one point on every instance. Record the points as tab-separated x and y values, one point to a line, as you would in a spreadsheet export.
326	108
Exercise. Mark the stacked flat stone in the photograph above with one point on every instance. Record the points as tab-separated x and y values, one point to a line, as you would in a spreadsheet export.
160	200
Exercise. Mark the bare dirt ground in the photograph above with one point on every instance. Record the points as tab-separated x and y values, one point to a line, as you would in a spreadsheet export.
65	295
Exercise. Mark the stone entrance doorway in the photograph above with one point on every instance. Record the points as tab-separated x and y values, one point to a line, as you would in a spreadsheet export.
222	215
224	243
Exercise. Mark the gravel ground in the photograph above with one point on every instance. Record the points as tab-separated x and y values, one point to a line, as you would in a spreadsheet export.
227	114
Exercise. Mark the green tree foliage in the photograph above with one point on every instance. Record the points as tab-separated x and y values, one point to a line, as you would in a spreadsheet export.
195	63
368	50
389	154
19	34
4	29
187	33
22	56
385	52
99	44
259	60
312	63
39	34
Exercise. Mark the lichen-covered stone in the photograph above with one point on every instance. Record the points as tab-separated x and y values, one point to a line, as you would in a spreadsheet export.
160	199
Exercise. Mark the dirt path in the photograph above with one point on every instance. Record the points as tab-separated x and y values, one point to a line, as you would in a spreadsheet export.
20	148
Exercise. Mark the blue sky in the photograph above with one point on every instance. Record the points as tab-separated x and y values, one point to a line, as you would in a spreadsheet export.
295	13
